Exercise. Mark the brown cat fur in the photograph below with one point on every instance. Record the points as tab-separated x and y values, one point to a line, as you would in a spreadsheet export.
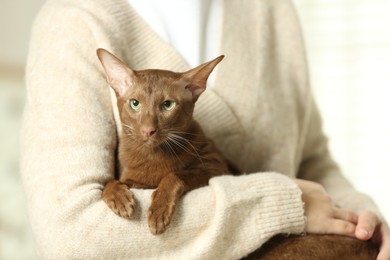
319	247
160	147
168	150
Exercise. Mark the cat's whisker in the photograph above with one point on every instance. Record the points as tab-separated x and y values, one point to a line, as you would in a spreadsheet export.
130	136
127	126
181	145
175	139
128	130
172	151
192	146
181	142
184	133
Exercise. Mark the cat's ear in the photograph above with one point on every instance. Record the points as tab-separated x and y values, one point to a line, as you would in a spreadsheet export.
198	77
119	76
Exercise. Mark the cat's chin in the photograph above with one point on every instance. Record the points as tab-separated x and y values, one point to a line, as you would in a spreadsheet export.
152	142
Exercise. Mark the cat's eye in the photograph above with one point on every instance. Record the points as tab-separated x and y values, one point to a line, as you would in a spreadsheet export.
134	104
168	105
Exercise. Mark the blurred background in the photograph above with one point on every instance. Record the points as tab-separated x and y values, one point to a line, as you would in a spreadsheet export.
16	18
348	43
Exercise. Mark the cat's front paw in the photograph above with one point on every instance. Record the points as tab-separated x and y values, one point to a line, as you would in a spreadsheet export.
119	198
159	214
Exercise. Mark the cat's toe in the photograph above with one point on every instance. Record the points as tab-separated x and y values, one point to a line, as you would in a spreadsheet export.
121	201
126	208
159	219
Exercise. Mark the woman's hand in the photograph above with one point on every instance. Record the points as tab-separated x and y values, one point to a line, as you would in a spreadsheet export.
323	217
369	226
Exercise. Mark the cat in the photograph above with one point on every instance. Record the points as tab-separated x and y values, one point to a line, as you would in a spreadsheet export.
162	146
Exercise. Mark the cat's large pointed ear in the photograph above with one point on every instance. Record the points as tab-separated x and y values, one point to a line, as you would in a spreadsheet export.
198	77
119	76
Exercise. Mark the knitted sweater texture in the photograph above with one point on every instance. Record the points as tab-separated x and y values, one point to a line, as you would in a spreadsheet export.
260	112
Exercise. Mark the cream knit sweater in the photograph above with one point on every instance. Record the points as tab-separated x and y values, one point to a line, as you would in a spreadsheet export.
260	112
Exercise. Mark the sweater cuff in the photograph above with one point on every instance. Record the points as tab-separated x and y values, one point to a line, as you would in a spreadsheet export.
273	200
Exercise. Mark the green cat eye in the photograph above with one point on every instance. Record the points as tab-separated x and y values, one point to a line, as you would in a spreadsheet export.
134	104
168	105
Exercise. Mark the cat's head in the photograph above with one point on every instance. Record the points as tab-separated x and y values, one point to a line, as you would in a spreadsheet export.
155	103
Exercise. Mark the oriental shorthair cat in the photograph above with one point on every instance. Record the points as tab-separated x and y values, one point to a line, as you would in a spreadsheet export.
161	146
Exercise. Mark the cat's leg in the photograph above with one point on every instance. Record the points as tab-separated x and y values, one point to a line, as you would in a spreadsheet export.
163	203
119	198
173	186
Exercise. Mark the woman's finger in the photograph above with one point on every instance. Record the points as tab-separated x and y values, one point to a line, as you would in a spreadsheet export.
346	215
367	222
341	227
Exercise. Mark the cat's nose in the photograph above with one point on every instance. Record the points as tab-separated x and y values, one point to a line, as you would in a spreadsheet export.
148	131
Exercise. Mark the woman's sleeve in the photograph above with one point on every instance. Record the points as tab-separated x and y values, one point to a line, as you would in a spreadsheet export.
68	154
318	165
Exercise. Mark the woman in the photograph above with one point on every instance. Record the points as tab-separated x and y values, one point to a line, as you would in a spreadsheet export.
258	109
